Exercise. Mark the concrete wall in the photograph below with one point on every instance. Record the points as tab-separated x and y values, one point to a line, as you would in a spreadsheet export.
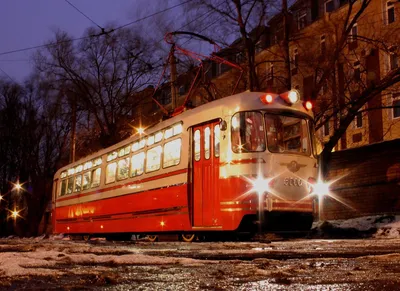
369	181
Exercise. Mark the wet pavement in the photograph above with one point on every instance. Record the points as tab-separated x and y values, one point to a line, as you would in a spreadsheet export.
293	264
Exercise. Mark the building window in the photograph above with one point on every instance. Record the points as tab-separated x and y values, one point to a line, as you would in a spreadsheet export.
396	105
353	33
359	120
326	129
295	58
393	58
356	71
182	90
329	6
302	21
271	72
390	12
323	45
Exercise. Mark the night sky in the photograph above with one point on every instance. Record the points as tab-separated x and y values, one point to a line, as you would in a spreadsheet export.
27	23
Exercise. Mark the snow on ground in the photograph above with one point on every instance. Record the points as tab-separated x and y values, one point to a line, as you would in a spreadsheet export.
40	256
377	226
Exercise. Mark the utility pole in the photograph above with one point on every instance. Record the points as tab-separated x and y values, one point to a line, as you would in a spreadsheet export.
73	129
286	35
173	77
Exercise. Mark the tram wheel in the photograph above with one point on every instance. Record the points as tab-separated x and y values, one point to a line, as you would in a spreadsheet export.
187	237
86	237
152	238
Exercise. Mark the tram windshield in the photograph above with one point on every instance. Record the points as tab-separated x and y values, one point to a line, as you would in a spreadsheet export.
285	133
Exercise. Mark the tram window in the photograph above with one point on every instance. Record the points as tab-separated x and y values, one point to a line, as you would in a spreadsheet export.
70	185
137	164
110	172
248	133
86	180
207	141
78	183
217	132
287	134
123	169
153	159
197	145
172	153
96	177
63	187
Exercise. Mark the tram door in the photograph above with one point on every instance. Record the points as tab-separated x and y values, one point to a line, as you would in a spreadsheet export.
206	147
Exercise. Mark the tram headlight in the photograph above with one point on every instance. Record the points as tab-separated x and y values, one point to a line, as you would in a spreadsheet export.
260	185
319	188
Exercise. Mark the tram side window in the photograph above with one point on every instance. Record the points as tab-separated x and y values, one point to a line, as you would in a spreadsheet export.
248	133
137	164
217	132
86	180
96	177
78	183
70	185
153	159
207	142
63	187
110	172
197	145
123	169
172	153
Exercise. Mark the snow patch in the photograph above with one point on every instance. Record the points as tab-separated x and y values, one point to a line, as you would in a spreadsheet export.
377	226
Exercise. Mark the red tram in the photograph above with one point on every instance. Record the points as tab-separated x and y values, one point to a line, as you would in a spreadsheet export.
232	165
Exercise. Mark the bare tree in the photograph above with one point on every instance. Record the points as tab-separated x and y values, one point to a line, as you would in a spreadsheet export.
101	73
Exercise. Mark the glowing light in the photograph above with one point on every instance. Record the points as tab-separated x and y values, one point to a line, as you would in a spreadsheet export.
268	98
17	186
309	105
293	96
321	188
162	223
15	214
67	227
1	197
140	130
101	226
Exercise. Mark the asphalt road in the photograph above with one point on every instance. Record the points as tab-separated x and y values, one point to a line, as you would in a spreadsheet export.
292	264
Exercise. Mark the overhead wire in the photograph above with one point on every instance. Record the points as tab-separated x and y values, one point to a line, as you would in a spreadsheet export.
96	35
4	72
77	9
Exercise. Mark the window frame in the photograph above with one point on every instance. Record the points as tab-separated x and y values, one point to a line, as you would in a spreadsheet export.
302	20
163	153
390	7
131	163
395	98
264	130
358	120
322	43
325	6
160	159
115	173
91	182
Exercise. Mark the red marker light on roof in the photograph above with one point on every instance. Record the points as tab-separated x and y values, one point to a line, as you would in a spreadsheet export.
308	105
267	99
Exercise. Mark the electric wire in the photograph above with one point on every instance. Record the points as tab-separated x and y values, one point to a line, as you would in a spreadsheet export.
90	36
77	9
